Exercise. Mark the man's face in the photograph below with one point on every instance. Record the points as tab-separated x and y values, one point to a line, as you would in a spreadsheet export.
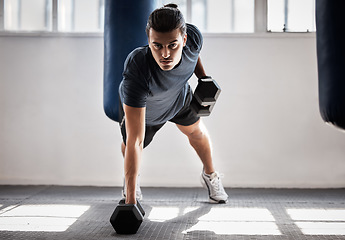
167	47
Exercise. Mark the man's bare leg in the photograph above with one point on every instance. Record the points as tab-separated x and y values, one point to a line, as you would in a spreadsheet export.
123	149
200	141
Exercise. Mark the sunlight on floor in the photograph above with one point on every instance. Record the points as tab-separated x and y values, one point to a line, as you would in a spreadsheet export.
319	221
317	214
236	228
45	218
321	228
241	221
238	214
162	214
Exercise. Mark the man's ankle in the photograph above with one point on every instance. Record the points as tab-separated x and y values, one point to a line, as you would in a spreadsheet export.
209	172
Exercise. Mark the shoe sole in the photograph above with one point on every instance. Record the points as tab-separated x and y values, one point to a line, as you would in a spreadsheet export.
210	199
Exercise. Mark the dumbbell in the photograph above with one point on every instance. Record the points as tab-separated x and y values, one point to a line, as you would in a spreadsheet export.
127	218
205	96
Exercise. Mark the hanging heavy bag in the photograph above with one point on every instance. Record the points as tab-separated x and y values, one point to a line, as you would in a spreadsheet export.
330	19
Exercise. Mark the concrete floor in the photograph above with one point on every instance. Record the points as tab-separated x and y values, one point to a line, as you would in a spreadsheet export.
58	212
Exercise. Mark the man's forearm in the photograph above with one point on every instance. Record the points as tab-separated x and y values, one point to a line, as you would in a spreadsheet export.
199	70
132	162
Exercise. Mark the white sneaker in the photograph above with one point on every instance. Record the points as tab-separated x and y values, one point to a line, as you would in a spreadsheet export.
138	194
214	186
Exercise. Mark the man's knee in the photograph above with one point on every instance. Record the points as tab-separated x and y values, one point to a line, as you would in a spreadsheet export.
195	131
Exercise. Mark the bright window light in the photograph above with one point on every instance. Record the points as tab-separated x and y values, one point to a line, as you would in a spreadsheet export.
237	221
291	15
28	15
234	16
229	16
44	218
80	15
319	221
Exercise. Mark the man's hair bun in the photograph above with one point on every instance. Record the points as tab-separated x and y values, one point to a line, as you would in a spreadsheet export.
171	5
166	19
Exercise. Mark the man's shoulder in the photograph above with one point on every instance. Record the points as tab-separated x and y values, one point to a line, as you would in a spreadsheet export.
138	55
137	64
192	28
194	37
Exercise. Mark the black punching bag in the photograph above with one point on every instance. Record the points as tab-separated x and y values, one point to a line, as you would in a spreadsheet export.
330	38
124	30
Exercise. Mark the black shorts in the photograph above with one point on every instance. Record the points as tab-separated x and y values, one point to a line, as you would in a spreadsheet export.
184	117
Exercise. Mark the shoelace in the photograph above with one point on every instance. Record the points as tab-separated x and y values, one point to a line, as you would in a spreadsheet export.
215	181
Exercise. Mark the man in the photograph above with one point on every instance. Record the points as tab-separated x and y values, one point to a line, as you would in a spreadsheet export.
155	90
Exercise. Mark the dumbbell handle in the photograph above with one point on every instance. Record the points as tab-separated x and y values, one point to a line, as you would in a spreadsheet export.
205	79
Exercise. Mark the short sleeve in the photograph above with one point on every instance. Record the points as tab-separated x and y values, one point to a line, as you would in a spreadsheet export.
134	84
194	38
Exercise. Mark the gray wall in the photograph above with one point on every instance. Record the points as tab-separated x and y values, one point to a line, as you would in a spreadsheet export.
266	128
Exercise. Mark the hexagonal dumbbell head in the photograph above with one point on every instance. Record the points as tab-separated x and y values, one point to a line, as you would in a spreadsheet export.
126	219
201	110
141	209
207	91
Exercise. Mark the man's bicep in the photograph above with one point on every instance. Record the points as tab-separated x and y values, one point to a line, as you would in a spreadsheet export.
135	122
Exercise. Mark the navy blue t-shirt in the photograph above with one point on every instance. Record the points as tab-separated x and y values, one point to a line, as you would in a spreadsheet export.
163	93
